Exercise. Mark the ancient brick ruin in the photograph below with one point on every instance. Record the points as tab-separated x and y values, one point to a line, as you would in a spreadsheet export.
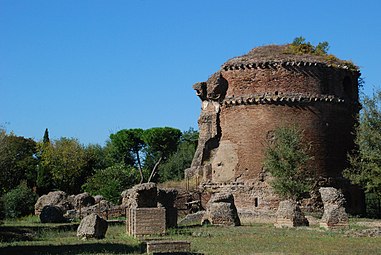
252	95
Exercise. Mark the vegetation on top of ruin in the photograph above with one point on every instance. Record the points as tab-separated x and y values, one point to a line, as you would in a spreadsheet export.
299	50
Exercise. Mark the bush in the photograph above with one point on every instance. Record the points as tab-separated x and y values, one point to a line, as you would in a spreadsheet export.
19	201
111	181
173	168
301	46
288	162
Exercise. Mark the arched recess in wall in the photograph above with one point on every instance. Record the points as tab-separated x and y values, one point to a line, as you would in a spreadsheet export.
347	86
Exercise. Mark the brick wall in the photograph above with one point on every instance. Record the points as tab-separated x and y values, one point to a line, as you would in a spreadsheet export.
322	100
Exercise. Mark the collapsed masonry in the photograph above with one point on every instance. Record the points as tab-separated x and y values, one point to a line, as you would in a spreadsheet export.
249	97
149	210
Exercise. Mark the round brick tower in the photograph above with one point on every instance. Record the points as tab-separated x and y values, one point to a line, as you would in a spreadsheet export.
250	96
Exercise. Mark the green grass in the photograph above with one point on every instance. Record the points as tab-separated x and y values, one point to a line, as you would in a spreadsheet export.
62	239
248	239
265	239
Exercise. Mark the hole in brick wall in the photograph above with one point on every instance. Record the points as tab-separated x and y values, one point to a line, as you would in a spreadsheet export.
256	202
347	86
325	87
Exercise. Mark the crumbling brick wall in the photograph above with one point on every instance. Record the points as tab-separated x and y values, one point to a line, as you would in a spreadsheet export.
250	96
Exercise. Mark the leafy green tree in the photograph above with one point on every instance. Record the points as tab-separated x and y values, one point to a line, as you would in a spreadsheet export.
110	182
365	163
96	157
161	143
66	160
129	143
287	159
190	136
173	168
19	201
17	161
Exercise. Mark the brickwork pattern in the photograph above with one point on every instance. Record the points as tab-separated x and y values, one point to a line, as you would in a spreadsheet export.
145	221
247	99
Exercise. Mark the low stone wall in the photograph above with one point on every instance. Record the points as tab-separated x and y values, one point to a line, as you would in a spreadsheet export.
168	246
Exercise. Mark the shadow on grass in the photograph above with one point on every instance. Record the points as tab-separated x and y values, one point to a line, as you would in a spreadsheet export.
28	233
73	249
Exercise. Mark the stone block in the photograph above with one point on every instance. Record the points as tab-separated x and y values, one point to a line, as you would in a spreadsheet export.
140	196
221	210
52	214
334	215
92	226
168	246
145	221
290	215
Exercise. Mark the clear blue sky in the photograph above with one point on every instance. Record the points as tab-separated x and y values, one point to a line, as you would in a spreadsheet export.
86	68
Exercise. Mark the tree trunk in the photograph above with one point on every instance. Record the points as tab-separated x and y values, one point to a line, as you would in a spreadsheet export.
140	167
154	170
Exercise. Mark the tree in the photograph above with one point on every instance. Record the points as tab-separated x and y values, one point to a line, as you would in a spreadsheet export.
17	161
65	159
173	168
365	169
96	157
161	143
129	143
46	138
288	161
44	178
110	182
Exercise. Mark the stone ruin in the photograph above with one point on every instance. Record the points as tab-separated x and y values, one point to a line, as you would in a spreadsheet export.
289	214
334	215
57	206
220	210
55	198
249	97
92	226
149	210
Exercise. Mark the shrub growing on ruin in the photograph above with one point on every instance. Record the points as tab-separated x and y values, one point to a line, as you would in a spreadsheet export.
288	161
301	46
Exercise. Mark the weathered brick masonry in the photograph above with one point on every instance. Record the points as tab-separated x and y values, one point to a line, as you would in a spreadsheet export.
249	97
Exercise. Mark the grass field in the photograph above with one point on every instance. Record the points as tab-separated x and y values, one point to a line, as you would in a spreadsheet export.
33	238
